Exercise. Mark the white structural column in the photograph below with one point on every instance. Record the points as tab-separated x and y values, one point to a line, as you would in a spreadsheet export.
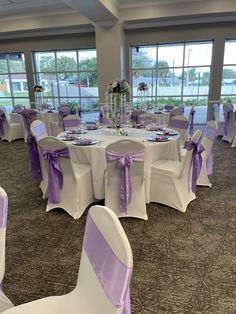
110	55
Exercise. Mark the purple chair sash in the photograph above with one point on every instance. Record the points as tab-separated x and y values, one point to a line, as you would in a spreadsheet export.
71	123
228	115
112	274
210	133
55	175
28	117
197	162
34	157
124	163
179	124
19	108
191	128
2	119
3	211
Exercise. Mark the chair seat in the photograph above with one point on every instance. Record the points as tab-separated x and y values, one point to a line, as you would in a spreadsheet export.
5	303
167	167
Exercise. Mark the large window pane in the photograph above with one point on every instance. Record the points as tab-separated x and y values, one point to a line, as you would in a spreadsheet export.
18	85
17	63
45	62
4	86
170	55
198	54
143	57
196	81
3	64
229	80
169	82
229	55
87	60
146	76
66	61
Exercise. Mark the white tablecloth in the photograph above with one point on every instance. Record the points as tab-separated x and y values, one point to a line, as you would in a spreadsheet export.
95	155
46	117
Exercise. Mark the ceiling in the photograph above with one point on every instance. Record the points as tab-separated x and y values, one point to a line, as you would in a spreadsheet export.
25	17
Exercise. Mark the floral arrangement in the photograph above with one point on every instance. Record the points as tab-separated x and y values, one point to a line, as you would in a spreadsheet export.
38	89
142	87
118	87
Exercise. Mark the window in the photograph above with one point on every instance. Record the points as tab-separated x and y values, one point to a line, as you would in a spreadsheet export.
12	80
68	76
174	73
228	85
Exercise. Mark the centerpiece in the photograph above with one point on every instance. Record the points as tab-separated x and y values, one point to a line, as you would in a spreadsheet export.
116	99
142	91
38	94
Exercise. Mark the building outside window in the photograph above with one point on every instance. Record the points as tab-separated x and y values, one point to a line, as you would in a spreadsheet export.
68	76
175	74
12	80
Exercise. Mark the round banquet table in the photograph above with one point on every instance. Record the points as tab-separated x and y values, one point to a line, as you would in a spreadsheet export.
95	154
46	117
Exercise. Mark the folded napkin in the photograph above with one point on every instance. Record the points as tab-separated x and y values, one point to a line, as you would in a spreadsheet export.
91	127
76	131
161	138
155	128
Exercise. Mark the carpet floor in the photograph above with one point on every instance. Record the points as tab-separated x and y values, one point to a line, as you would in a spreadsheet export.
183	262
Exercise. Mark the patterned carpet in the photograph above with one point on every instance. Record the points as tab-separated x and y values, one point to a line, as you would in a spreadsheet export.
183	262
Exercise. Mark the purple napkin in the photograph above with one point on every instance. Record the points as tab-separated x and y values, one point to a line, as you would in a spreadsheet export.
161	138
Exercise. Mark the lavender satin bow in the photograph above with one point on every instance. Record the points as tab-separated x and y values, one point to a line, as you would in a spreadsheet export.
34	158
227	115
55	175
191	129
197	162
125	162
2	119
210	133
113	275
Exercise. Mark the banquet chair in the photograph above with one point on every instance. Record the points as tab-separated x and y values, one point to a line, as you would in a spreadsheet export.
216	117
176	112
172	181
104	274
58	127
66	180
71	122
28	116
18	108
9	131
180	124
124	179
229	124
207	142
5	303
191	120
39	131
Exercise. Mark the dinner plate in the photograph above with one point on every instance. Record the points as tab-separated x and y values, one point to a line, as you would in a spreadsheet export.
171	133
84	142
64	138
76	131
164	139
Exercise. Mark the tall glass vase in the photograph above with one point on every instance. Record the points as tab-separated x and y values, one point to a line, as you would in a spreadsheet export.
117	108
38	100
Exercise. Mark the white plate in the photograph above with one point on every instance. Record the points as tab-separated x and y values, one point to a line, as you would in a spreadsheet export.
78	143
153	139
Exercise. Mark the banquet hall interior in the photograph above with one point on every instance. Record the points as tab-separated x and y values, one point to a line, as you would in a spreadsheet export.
117	156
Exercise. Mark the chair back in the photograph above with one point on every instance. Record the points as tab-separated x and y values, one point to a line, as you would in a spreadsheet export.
71	122
64	111
52	143
106	264
28	115
180	124
187	162
3	223
125	146
208	137
38	130
176	112
168	107
4	125
216	112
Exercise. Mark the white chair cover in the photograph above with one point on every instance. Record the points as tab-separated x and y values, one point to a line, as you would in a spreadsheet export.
106	255
234	142
125	155
171	180
216	117
71	122
207	141
58	127
72	195
229	125
180	124
39	131
5	303
176	112
9	131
